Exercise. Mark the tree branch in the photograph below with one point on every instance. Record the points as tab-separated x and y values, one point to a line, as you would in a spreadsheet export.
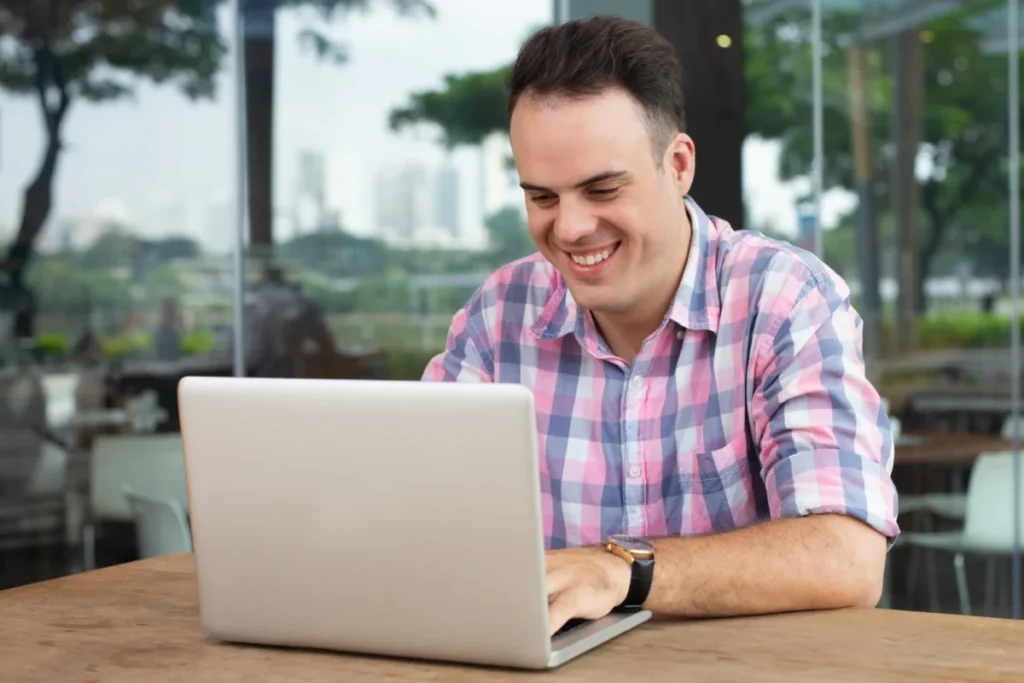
978	171
941	217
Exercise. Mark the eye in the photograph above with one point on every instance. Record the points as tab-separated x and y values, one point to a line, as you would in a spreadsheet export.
604	192
543	199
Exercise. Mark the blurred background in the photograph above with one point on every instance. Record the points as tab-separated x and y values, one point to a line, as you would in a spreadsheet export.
311	188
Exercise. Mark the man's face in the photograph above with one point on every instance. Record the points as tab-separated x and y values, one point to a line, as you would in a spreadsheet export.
608	216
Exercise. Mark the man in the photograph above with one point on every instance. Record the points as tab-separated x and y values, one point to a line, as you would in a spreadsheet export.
167	338
698	390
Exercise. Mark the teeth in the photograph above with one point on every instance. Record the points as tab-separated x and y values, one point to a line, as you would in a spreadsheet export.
591	259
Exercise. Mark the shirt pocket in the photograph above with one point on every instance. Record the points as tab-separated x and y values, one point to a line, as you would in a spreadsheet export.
720	483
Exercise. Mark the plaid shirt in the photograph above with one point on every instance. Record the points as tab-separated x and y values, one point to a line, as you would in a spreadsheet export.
750	401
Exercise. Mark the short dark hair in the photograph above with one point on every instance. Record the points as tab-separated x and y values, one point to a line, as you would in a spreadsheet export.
584	57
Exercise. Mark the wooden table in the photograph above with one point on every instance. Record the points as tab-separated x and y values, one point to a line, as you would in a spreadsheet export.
947	448
139	623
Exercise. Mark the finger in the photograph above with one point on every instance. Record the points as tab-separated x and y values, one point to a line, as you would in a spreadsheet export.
561	610
560	580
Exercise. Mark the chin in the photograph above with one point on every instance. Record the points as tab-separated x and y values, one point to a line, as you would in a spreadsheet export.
600	299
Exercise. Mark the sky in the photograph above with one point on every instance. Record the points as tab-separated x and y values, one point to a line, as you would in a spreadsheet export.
165	164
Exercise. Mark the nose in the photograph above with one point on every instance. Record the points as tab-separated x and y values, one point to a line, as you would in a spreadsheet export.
574	221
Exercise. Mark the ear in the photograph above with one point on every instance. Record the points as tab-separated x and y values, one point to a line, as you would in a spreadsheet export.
680	160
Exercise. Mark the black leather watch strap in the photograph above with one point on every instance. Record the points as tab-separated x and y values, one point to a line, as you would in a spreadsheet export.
639	585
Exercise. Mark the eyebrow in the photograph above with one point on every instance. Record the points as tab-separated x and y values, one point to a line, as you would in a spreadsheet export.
600	177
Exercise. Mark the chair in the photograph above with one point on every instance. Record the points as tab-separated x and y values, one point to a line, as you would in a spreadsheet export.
988	523
946	505
160	525
950	506
150	464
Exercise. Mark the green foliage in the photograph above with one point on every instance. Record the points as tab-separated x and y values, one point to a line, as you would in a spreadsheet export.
104	48
196	342
163	282
509	237
339	254
99	50
467	109
52	345
62	287
408	363
317	13
125	345
57	346
964	331
963	137
390	291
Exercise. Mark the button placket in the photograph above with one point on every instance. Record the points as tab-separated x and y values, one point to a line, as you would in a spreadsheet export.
636	386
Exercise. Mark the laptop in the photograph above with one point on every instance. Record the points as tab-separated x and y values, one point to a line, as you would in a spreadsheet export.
389	518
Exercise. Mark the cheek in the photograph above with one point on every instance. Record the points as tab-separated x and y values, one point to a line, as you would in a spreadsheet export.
539	224
623	219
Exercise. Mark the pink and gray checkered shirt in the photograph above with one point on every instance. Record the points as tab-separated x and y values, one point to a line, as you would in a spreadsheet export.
750	402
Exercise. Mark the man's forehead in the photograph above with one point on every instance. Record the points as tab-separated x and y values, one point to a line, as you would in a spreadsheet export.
582	139
612	108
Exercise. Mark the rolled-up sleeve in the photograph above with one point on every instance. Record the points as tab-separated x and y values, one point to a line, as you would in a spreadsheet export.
824	436
466	357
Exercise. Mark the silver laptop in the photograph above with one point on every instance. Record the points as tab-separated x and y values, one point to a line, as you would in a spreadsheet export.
389	518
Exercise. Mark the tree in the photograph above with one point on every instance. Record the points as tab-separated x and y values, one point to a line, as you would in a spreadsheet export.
961	167
509	238
163	282
174	247
65	289
93	50
390	291
963	133
468	108
114	247
63	51
259	59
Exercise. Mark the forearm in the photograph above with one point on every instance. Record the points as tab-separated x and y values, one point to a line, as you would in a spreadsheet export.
817	562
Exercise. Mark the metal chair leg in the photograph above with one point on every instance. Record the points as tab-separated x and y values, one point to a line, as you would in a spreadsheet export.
990	586
933	582
961	584
910	599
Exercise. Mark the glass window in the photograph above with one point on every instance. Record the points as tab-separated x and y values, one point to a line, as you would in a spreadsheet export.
381	185
116	211
915	215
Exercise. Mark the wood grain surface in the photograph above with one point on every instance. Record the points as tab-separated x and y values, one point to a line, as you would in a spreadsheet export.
138	623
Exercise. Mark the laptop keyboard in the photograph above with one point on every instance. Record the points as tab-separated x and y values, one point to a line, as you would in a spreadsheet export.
571	625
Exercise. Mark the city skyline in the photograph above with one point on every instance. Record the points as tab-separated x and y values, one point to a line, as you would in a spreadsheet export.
165	165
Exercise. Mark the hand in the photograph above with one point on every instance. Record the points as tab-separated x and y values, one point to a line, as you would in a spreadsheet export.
585	583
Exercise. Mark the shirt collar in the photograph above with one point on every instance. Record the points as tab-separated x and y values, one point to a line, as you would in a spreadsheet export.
696	305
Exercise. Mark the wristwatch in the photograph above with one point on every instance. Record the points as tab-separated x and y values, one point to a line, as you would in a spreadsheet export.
640	556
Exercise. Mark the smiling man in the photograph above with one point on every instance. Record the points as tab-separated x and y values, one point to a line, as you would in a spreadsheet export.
710	444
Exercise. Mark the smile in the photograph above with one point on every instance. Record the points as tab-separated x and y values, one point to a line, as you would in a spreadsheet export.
594	258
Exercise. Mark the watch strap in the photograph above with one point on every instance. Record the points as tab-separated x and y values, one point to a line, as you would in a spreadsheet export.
639	585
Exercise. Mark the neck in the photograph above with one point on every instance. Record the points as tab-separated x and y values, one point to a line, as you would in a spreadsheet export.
626	331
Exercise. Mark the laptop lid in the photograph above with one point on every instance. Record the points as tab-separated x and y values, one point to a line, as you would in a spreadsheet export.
397	518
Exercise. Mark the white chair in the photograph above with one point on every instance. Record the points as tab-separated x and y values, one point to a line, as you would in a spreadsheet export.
1008	426
160	525
60	390
988	523
150	464
949	505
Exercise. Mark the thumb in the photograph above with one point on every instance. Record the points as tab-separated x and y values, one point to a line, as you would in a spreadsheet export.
561	609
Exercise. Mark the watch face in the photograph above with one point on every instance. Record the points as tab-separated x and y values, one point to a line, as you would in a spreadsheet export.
633	544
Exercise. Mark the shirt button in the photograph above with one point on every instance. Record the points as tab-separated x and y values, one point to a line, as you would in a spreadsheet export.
637	382
634	471
679	334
